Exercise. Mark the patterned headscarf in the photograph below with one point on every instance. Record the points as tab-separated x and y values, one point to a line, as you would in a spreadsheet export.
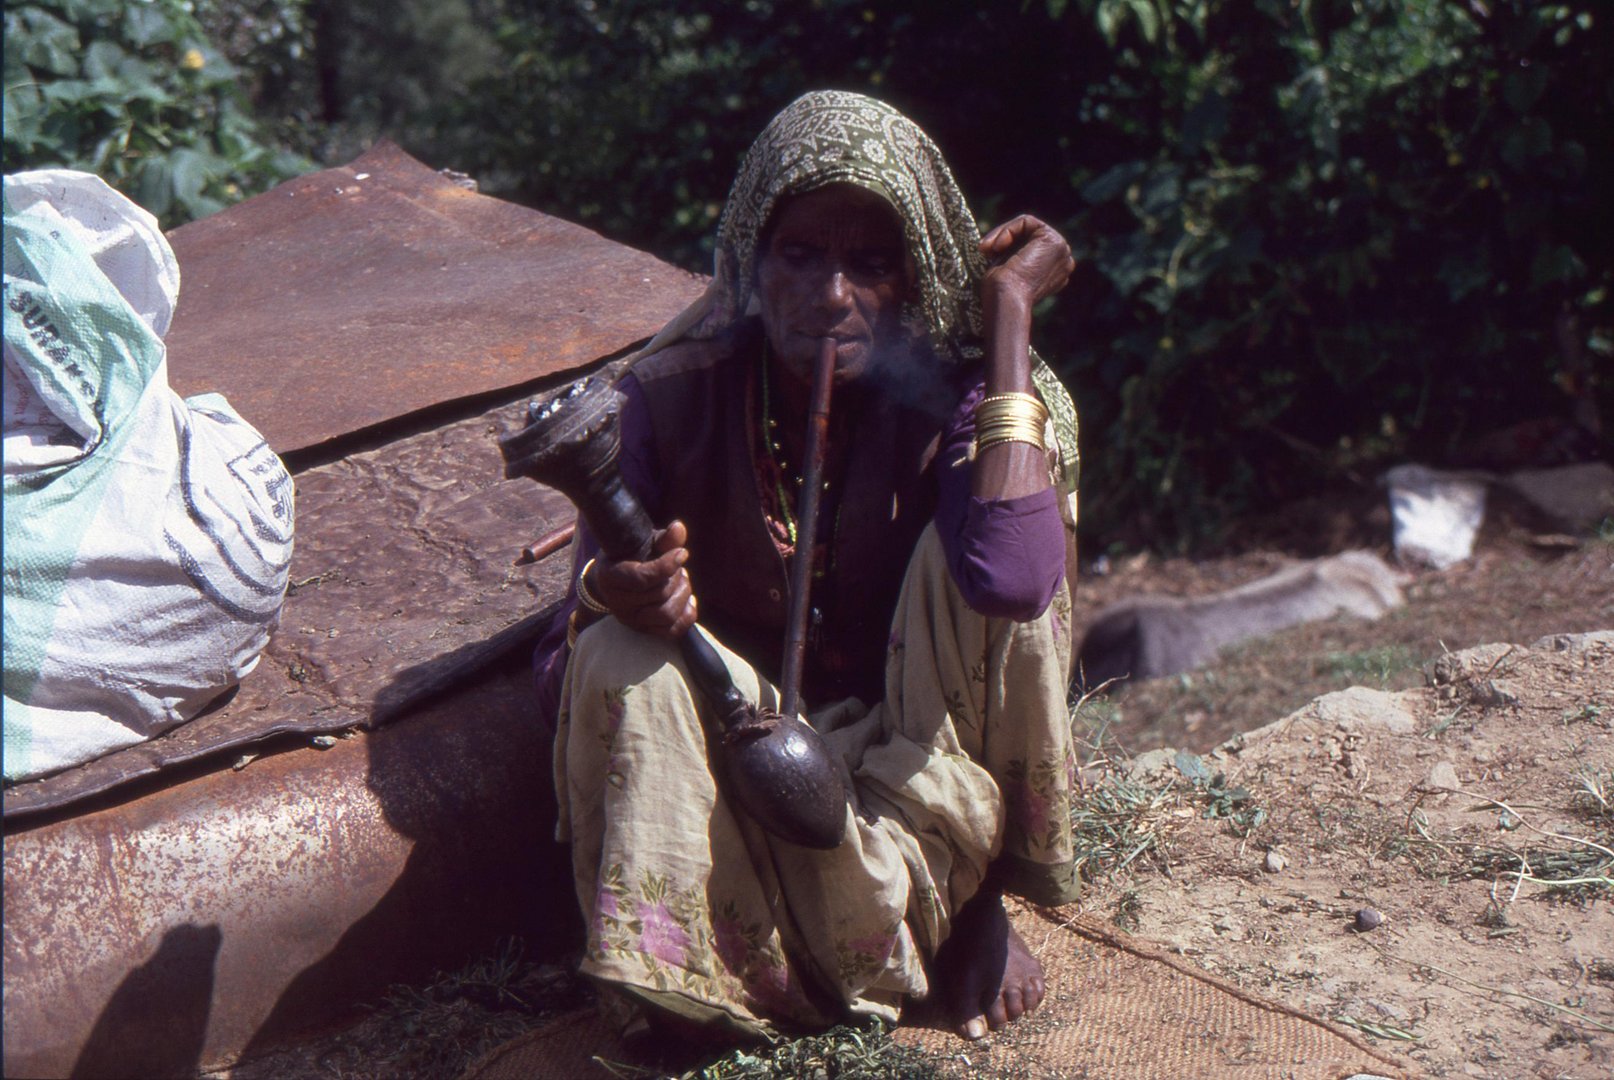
830	137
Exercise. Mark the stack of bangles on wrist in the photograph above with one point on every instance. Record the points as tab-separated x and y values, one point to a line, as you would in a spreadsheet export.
1002	418
587	599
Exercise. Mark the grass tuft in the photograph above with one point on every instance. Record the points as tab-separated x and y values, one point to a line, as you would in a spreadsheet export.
1574	869
1117	821
846	1052
1380	663
1594	795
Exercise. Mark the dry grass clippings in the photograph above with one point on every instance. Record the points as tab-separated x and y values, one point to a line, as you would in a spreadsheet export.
845	1052
1572	868
434	1032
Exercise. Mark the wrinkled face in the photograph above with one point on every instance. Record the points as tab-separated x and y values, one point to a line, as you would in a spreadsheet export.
833	264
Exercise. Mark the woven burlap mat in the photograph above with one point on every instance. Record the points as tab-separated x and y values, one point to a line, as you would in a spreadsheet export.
1118	1008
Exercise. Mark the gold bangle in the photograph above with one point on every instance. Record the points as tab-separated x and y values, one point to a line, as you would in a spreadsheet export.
586	598
1012	420
1016	435
983	445
1030	399
992	423
1010	405
1011	417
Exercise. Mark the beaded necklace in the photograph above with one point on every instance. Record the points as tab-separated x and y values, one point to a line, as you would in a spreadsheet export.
775	453
770	442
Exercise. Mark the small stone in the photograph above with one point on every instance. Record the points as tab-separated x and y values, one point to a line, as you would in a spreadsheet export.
1390	1010
1443	775
1275	862
1496	692
1152	764
1366	919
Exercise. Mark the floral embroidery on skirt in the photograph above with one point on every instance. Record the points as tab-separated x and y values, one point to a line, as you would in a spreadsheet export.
968	758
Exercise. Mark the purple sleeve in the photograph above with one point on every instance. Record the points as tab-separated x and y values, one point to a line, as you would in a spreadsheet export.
640	474
1007	556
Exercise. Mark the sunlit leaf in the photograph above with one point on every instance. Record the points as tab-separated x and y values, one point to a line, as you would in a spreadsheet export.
1148	19
42	41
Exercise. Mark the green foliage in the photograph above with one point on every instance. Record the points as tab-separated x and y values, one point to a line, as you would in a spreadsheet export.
272	45
135	93
1340	231
631	116
1380	663
1316	236
1235	804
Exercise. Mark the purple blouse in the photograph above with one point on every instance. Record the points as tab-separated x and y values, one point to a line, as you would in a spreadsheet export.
1007	556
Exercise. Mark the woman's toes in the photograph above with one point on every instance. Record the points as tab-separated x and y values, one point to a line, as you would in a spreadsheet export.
1036	989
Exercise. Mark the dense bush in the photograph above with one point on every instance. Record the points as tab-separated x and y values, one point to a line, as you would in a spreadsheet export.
1318	236
137	94
1336	234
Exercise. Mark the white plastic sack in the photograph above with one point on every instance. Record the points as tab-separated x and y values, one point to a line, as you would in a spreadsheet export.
1436	515
147	538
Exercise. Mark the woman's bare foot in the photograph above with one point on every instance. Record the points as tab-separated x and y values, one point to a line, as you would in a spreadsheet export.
989	976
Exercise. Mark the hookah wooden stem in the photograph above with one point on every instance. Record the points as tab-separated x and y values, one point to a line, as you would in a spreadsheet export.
801	577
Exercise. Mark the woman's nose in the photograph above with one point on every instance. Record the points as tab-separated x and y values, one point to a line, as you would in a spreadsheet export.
835	291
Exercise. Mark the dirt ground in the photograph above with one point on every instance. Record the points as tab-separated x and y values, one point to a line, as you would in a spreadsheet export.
1460	793
1472	817
1443	795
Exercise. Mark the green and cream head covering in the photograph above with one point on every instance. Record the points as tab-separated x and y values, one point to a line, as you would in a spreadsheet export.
831	137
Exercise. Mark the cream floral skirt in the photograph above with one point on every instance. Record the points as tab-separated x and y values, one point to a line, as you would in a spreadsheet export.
690	907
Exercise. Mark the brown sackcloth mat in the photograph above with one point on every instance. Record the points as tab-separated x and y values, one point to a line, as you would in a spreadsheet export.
1118	1008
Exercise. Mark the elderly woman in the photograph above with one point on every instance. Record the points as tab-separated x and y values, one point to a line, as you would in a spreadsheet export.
940	648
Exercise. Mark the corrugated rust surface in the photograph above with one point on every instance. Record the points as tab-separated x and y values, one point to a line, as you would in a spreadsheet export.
357	295
404	577
222	914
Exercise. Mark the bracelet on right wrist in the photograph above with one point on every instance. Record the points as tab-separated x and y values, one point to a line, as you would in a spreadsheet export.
1010	417
584	596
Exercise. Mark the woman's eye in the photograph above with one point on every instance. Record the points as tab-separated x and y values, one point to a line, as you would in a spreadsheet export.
878	265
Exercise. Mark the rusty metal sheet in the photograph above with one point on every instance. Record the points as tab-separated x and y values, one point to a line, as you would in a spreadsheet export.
405	580
174	924
403	575
226	913
355	296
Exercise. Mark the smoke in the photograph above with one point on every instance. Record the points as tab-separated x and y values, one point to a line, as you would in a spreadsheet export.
911	374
